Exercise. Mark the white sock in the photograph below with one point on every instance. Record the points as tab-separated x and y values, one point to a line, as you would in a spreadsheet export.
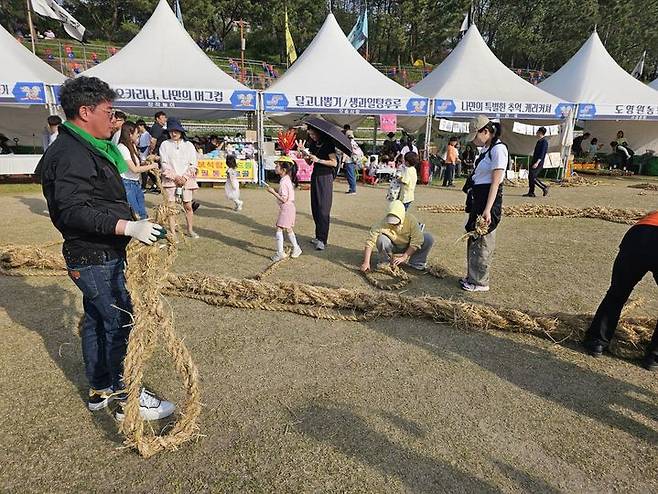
279	242
293	239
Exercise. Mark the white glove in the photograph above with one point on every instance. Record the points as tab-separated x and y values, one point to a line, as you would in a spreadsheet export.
144	231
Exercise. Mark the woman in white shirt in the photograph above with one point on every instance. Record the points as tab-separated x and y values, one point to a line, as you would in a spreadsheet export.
484	198
128	139
179	165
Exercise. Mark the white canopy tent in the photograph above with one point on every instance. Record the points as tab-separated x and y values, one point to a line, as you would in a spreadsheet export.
609	98
654	85
333	80
162	68
472	81
26	91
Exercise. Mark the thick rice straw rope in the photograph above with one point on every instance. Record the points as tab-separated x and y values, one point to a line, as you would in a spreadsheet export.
624	216
645	186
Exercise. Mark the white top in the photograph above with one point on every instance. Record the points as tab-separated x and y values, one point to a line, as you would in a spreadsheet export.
125	152
496	160
406	150
116	136
179	156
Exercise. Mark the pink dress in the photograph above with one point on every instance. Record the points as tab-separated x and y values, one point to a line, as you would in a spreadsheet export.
287	210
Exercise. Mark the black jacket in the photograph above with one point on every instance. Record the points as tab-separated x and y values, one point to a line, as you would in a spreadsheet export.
86	198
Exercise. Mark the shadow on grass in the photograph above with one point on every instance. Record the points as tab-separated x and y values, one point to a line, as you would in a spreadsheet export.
337	426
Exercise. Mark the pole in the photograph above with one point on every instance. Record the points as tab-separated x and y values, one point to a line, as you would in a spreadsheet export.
33	34
374	135
260	137
61	62
428	129
242	47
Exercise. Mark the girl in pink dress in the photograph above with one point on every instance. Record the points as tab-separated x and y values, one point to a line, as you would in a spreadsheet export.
287	170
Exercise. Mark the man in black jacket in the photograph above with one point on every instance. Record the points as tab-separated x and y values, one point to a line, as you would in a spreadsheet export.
537	164
80	176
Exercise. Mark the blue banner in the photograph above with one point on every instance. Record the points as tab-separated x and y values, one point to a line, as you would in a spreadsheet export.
367	105
145	97
500	109
22	93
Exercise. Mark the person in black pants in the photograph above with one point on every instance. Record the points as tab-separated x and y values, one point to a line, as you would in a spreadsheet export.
322	154
537	165
638	255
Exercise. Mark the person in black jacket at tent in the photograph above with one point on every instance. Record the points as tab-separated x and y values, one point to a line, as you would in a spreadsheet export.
537	164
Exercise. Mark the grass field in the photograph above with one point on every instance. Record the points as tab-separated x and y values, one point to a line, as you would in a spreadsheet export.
293	404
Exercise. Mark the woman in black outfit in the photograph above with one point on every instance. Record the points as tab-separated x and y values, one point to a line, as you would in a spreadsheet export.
322	154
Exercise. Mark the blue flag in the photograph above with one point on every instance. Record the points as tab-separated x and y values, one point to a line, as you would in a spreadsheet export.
359	33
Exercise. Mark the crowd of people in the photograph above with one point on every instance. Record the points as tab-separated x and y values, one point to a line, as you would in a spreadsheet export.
92	188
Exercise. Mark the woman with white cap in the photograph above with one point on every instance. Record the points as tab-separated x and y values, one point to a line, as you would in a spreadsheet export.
179	165
484	198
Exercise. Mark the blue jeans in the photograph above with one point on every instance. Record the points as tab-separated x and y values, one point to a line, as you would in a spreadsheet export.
351	176
105	328
135	197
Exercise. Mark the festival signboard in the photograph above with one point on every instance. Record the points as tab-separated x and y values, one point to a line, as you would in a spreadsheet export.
500	109
591	111
203	99
366	105
214	170
22	93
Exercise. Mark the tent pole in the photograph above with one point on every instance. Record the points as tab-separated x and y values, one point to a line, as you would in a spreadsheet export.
428	130
260	137
566	150
32	30
374	134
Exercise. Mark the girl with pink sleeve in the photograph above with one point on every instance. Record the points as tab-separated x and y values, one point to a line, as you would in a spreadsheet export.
287	170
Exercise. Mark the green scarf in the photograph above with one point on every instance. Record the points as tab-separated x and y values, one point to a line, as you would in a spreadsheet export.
107	149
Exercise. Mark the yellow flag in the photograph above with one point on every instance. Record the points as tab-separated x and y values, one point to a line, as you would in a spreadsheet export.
291	53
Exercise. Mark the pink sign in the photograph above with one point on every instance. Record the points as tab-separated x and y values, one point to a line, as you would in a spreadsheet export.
388	123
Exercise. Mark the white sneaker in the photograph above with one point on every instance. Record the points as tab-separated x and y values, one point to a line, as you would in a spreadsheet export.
150	406
192	234
314	241
238	207
471	287
296	252
319	246
279	256
100	398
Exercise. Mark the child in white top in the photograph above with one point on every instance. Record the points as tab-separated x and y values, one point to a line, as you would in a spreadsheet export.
232	186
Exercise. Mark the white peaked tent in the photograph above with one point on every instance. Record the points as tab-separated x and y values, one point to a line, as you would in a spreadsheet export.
26	91
654	85
606	94
472	81
331	79
162	68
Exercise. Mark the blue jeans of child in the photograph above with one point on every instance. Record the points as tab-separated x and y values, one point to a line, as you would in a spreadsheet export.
350	174
135	197
105	327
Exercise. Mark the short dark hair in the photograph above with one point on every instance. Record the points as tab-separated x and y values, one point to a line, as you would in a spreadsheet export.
84	91
159	114
54	120
413	159
347	127
454	139
594	140
542	130
119	114
390	134
140	122
586	134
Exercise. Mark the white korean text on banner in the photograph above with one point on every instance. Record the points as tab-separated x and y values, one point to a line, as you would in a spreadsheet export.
367	105
22	93
209	99
591	111
499	109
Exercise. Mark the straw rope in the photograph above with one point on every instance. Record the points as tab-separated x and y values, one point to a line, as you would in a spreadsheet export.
624	216
645	186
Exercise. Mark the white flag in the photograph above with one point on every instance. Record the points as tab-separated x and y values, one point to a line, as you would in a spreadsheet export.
639	68
50	8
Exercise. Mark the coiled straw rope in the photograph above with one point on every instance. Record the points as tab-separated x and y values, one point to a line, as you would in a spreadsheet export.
624	216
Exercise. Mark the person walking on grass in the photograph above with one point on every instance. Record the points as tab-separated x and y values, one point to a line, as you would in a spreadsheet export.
286	169
408	178
638	255
537	164
484	197
179	165
399	240
80	173
232	186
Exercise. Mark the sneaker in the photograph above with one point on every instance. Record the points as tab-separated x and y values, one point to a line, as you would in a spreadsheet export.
150	406
192	234
100	398
195	205
351	192
418	267
280	256
421	226
319	246
238	207
529	195
546	191
296	252
593	348
472	287
314	241
463	281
